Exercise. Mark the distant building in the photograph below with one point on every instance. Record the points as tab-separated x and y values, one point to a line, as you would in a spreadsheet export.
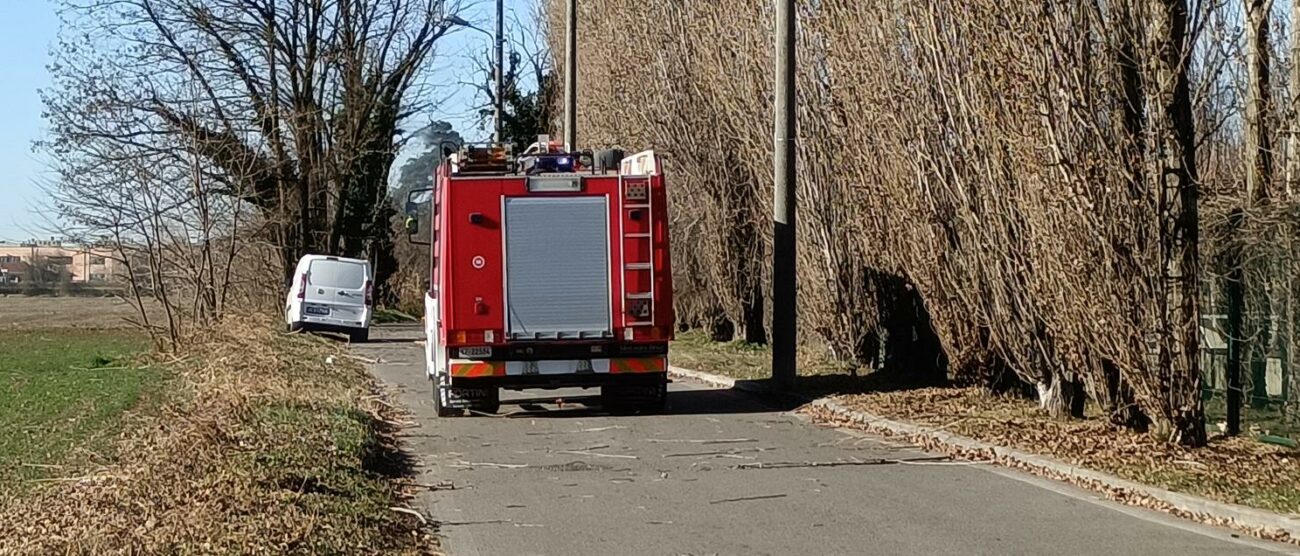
13	271
54	260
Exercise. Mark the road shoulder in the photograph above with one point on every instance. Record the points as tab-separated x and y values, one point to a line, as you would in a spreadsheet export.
1255	522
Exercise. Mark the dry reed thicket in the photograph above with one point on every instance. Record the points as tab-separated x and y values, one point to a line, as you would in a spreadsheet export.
1022	195
262	446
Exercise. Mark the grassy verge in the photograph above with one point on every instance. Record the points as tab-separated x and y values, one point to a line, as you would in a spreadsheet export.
389	315
265	443
695	350
1235	470
61	391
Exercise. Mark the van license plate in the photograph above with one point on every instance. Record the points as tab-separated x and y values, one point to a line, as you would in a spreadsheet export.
476	352
317	310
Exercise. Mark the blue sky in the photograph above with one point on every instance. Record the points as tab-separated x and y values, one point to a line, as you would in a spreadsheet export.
29	27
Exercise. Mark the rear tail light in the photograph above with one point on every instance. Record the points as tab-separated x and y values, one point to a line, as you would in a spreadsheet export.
645	333
302	289
370	296
470	337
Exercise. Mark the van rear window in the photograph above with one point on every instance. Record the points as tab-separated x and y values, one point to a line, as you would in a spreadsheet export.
336	274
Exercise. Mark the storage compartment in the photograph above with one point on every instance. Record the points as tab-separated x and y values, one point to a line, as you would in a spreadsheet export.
557	267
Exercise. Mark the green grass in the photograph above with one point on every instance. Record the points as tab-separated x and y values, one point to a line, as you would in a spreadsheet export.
1273	420
818	374
695	350
62	390
387	315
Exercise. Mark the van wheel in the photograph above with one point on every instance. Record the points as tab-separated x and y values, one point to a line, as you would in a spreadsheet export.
294	327
359	336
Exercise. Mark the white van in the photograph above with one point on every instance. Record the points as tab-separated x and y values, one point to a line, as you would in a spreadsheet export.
331	294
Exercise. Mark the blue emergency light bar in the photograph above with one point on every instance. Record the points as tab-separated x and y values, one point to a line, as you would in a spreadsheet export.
551	163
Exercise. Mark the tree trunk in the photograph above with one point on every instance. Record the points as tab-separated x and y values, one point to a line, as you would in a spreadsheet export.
1293	113
1182	417
752	307
1259	174
1121	407
721	329
1259	144
1063	397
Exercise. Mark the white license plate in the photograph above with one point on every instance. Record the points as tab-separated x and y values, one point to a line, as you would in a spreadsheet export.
317	310
475	352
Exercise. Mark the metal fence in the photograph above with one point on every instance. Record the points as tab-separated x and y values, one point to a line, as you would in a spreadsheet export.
1264	334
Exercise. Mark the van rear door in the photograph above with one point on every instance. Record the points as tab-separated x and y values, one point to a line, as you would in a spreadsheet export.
336	289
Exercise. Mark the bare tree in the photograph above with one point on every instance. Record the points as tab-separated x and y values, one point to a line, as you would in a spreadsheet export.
197	133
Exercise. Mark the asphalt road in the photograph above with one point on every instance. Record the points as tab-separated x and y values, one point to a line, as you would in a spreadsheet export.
551	479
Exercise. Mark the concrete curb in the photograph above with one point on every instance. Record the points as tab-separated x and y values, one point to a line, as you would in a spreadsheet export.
1258	522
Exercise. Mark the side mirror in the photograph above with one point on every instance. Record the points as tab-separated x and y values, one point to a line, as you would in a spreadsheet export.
418	205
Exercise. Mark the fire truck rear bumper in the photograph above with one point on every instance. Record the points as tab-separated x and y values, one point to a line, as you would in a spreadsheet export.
560	381
471	368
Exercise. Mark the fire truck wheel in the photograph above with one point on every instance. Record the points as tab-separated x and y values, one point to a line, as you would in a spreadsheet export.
623	401
438	408
490	404
660	404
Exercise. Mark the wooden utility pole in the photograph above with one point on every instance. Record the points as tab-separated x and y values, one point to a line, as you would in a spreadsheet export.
784	290
498	107
571	76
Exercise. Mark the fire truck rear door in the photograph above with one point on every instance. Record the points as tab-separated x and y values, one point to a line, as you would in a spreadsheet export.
557	268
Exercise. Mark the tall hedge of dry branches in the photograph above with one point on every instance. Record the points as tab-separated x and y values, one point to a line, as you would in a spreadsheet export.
1006	193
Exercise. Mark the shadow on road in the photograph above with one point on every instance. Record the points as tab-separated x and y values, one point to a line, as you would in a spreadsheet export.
680	402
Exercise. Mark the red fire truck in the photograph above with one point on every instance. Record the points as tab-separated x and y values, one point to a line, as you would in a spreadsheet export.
546	277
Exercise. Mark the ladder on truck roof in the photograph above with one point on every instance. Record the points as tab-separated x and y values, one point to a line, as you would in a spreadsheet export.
640	305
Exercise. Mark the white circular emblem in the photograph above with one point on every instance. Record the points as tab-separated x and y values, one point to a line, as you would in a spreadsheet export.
479	262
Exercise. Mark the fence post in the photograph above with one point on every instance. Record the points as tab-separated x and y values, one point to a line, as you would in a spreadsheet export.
1235	300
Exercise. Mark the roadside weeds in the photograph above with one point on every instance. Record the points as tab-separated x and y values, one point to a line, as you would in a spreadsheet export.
265	443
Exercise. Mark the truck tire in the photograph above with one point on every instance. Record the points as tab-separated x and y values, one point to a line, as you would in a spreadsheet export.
625	401
438	408
660	402
491	404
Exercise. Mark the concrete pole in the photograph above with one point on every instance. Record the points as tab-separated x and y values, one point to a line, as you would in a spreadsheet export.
571	76
784	311
499	109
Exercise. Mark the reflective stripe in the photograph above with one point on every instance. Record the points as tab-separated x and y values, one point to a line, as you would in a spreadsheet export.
471	369
478	369
640	365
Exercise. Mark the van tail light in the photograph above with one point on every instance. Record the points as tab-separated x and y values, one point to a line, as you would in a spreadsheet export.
302	290
370	296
